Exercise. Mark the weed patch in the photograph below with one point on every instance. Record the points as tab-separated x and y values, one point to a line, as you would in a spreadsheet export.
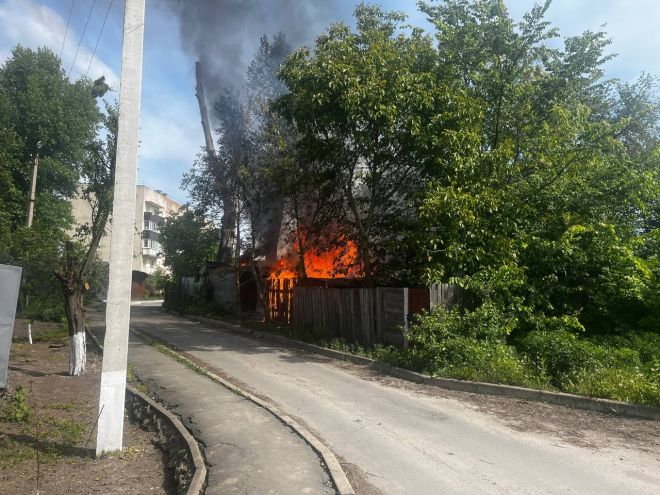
17	408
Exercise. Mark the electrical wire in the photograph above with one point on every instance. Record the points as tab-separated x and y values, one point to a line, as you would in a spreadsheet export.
89	16
66	32
107	13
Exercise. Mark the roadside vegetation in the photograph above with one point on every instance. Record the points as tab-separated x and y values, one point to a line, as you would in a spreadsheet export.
623	367
47	425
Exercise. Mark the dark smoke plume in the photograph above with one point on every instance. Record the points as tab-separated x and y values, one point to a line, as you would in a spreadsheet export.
224	34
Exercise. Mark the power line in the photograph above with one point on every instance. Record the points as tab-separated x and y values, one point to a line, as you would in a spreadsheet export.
89	16
73	2
107	13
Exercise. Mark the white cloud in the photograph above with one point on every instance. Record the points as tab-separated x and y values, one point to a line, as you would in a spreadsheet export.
34	25
171	133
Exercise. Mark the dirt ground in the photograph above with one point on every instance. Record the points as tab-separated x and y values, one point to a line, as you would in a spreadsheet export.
47	442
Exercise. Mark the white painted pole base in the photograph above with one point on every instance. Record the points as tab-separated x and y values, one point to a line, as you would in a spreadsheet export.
30	333
109	437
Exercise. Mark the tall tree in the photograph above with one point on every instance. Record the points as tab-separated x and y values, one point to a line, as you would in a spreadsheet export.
188	240
98	174
360	100
38	103
542	211
246	160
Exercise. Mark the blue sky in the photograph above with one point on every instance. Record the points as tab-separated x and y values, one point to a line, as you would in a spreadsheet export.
171	135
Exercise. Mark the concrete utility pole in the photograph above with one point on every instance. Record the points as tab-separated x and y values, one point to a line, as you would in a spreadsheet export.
33	186
118	308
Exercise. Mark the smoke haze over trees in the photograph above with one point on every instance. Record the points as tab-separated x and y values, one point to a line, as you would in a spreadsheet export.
224	34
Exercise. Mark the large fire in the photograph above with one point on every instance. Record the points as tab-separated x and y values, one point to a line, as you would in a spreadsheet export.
338	262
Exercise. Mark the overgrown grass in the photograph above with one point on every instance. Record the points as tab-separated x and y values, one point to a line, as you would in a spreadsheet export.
135	382
58	335
39	436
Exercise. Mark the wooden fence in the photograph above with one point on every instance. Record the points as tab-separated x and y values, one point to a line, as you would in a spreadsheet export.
372	316
363	316
447	295
280	293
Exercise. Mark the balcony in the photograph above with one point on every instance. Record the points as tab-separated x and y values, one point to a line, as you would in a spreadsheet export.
154	217
152	252
150	234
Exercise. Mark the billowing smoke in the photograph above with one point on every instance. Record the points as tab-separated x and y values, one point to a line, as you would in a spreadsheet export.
224	34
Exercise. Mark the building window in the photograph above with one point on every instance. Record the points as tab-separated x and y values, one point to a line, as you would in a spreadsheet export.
151	244
151	225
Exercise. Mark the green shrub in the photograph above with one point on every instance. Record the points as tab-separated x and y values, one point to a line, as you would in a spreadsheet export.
51	309
487	322
629	385
560	353
467	344
471	359
563	354
17	408
647	344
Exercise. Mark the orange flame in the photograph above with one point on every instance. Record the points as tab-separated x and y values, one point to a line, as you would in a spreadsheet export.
338	262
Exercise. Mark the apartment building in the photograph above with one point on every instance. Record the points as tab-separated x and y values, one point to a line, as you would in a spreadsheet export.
152	207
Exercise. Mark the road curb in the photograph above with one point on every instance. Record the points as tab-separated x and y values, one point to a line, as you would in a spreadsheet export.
198	480
557	398
335	470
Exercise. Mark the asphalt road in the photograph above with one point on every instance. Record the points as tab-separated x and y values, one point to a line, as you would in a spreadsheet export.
404	442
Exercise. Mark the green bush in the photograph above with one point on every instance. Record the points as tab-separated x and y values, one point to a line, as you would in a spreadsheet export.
646	344
563	353
467	344
50	309
17	408
629	385
471	359
560	353
487	322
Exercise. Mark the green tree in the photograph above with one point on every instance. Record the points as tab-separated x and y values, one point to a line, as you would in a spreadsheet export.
188	240
38	103
360	101
157	281
98	171
543	212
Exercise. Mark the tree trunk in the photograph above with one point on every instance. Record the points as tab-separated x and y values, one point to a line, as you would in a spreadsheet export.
75	316
262	301
301	268
363	241
227	230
